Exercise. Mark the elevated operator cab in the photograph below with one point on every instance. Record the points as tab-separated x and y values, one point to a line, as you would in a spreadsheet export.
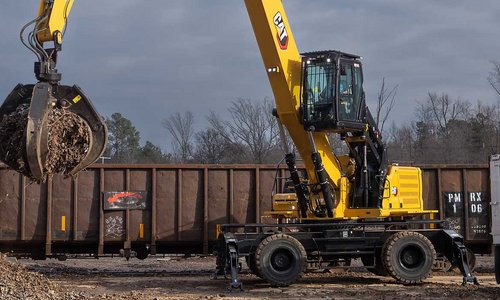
332	94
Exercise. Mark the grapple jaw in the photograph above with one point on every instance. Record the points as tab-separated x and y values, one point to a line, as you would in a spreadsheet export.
41	99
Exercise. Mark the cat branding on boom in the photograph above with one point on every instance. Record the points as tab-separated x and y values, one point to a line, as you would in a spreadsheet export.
282	34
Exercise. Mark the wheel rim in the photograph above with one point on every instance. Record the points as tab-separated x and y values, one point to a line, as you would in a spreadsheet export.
282	260
411	257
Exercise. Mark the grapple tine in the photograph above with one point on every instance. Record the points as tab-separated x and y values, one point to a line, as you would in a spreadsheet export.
75	100
29	143
36	129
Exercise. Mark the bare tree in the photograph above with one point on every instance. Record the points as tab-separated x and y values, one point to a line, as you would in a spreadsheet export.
494	77
180	127
444	110
210	147
400	143
252	125
441	129
386	102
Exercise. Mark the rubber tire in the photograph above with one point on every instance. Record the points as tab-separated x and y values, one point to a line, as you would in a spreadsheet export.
497	263
141	254
250	260
379	268
289	249
391	258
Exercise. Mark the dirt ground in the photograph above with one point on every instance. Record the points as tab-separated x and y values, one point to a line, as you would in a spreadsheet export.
189	278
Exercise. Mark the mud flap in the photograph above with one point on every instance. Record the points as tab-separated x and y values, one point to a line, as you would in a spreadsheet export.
42	97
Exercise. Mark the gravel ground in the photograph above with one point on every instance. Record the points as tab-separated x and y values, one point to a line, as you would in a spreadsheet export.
189	278
18	283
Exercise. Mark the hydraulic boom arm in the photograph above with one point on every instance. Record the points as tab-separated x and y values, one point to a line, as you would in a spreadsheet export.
321	93
283	64
54	15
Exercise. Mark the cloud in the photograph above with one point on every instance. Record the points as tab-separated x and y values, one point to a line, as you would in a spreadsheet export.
148	59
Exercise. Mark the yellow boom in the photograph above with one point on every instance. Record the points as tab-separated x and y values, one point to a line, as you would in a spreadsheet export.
53	16
283	64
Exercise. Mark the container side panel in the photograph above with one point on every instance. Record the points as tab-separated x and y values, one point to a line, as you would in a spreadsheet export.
114	180
62	209
10	205
114	221
192	206
88	205
266	190
218	198
140	220
115	226
140	180
166	210
478	196
430	190
453	197
244	196
36	211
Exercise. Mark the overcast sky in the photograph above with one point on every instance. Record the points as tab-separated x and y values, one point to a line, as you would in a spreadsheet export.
151	58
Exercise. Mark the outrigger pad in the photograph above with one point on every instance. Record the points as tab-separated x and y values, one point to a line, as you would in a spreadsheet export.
29	110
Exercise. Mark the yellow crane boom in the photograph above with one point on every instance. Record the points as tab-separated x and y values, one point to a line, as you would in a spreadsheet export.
283	64
53	17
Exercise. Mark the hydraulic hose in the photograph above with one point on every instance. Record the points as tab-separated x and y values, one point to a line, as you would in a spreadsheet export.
321	175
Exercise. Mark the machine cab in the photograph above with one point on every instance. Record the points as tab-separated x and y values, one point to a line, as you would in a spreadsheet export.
332	91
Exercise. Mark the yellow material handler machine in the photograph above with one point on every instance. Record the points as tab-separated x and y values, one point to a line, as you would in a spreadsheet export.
350	206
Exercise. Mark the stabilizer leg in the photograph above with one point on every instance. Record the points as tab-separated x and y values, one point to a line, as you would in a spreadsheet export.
228	261
463	263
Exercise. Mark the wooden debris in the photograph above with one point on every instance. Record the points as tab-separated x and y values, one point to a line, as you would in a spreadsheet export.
68	141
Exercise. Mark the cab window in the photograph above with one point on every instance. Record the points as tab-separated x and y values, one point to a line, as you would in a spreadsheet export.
320	91
350	89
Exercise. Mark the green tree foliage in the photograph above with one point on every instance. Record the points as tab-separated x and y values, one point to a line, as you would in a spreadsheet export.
152	154
124	144
123	139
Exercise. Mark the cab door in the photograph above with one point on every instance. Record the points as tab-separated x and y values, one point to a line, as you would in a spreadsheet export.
350	92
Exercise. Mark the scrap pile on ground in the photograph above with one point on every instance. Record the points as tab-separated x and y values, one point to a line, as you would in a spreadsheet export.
68	141
17	283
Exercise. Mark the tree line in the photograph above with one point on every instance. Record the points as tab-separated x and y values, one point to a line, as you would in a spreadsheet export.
443	130
249	135
449	131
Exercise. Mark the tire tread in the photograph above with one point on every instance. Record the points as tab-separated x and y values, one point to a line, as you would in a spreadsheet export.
259	252
388	248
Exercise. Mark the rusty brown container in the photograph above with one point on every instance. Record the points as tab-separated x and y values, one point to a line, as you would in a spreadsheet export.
461	193
175	208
